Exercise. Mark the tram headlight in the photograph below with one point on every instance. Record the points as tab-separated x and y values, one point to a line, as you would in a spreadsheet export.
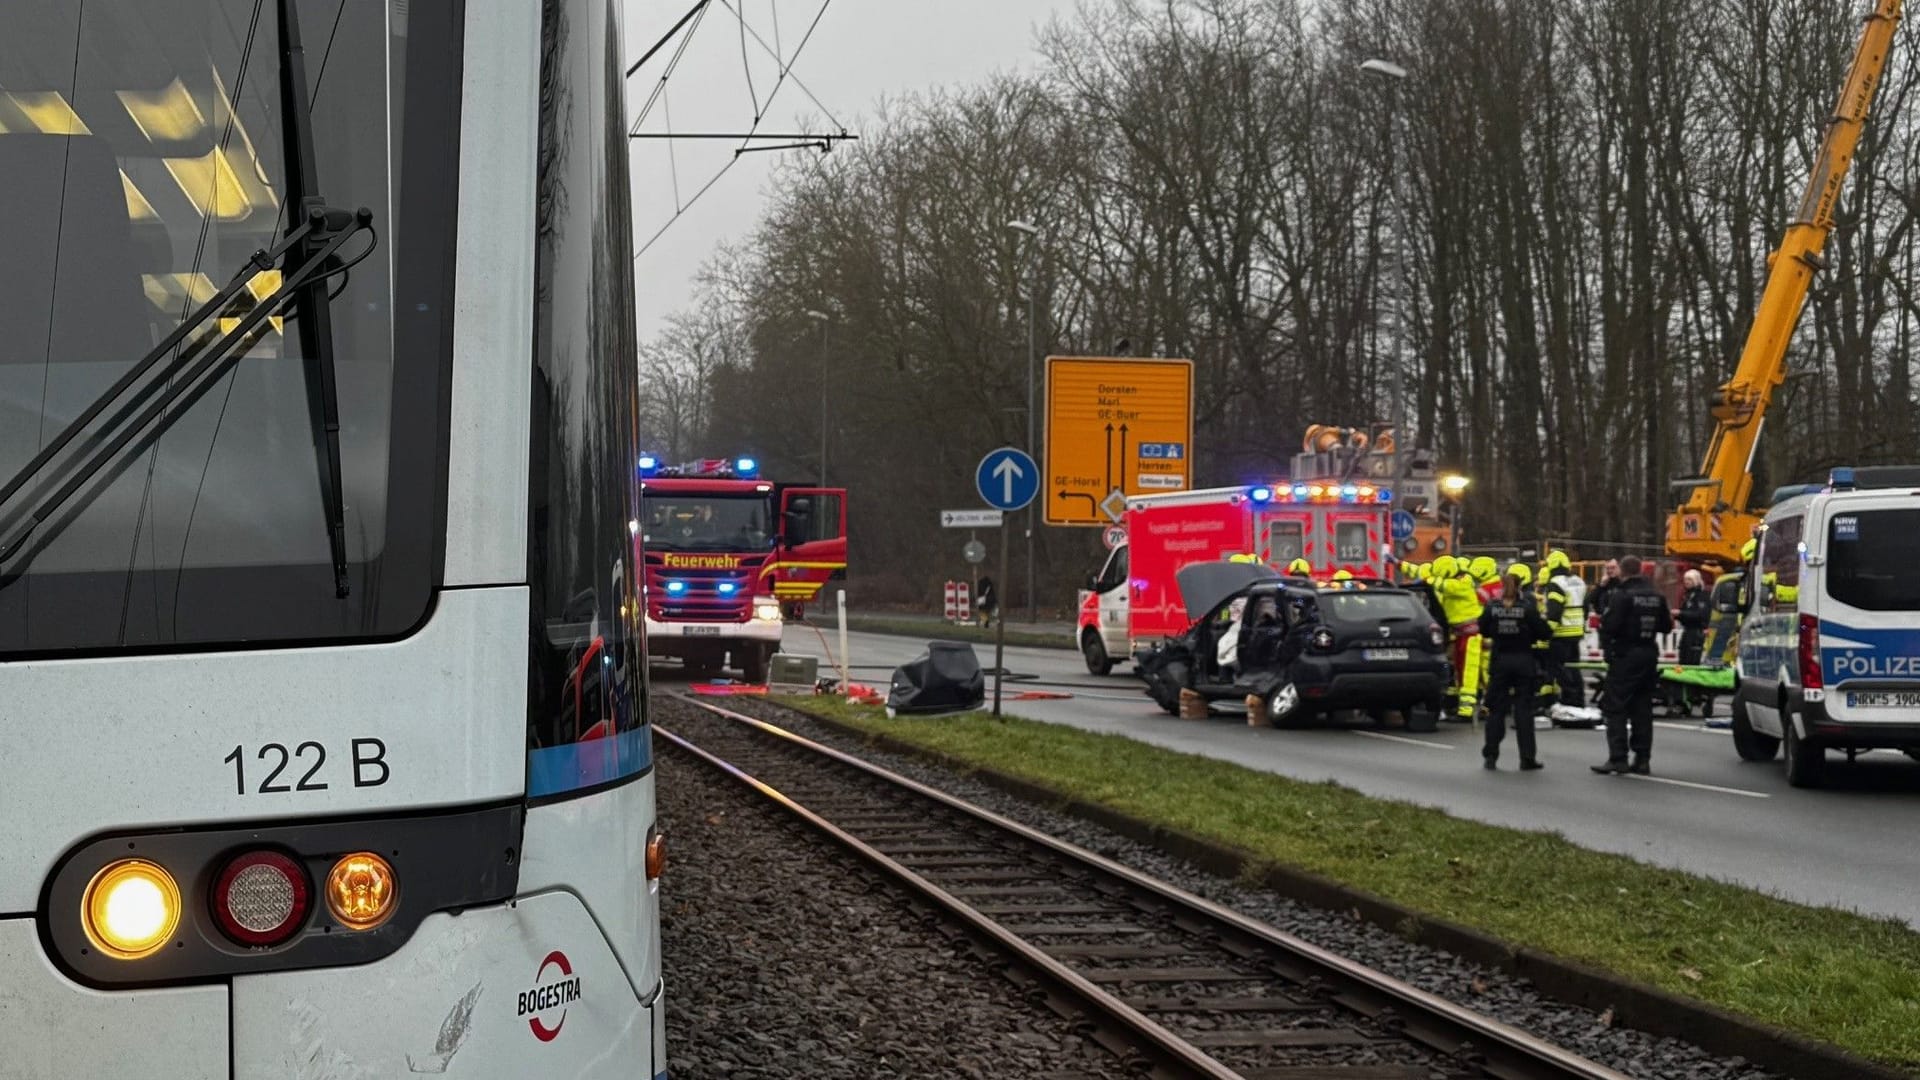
362	890
131	908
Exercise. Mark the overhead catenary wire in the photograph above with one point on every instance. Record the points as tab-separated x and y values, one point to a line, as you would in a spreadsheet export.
774	51
786	71
746	67
691	20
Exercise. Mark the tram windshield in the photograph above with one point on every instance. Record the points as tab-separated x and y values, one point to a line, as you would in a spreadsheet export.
143	160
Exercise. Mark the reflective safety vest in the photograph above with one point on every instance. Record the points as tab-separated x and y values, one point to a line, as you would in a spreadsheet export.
1459	599
1571	591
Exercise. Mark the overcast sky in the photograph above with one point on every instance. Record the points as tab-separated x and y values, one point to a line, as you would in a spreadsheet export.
860	52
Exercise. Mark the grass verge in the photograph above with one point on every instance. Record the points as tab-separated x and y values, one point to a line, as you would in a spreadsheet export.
1846	979
945	631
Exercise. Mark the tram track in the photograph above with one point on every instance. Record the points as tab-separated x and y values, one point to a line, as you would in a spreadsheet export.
1171	982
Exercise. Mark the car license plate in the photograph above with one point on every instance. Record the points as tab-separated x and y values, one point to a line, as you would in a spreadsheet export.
1882	700
1383	654
699	631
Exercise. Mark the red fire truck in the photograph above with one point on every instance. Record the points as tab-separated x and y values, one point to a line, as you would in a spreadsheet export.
729	557
1133	601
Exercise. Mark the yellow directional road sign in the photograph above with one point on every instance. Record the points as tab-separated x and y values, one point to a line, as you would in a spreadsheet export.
1115	427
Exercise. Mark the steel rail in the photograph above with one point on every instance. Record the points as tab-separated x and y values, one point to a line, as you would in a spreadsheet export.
1509	1053
1155	1042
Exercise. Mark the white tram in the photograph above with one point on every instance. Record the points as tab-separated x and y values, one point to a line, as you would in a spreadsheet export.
326	744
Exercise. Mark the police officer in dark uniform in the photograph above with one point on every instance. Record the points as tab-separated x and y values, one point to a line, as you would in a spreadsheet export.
1630	633
1512	626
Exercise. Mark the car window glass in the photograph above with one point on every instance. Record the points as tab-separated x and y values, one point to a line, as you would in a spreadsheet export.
1285	542
1780	563
1351	541
1873	559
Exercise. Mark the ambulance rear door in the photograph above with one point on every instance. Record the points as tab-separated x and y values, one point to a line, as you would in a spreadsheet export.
1353	538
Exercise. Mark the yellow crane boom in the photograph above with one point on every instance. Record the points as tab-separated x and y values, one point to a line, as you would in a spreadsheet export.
1714	521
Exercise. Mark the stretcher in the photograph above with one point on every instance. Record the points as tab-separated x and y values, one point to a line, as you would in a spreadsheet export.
1685	689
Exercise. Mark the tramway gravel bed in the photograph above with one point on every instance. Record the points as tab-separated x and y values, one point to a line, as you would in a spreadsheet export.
1514	1001
785	957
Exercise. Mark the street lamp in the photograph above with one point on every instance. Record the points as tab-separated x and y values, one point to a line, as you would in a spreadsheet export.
1395	74
1032	233
825	321
1453	486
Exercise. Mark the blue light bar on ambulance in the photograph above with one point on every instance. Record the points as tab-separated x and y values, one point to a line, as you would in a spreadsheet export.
1354	494
1261	494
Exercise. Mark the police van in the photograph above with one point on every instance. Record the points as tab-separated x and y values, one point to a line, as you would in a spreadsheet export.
1829	654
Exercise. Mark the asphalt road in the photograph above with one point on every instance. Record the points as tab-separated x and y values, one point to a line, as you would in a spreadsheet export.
1704	810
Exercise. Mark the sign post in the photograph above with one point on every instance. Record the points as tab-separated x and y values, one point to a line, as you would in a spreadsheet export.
1115	427
1007	479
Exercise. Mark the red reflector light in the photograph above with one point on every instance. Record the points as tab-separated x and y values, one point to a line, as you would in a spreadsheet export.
261	898
1810	677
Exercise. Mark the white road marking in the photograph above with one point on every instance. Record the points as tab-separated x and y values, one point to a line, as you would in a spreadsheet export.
1404	739
1678	726
1700	787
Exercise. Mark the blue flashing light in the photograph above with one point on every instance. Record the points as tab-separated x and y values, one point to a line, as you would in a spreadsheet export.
1385	496
1349	493
745	466
1300	492
648	463
727	588
675	588
1261	494
1841	479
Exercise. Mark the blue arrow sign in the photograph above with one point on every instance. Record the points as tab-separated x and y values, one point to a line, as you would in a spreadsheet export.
1402	524
1007	479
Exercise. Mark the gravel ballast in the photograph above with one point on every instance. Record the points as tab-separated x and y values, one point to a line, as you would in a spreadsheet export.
1493	993
786	957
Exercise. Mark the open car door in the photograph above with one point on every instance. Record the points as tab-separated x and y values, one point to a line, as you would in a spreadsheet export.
813	545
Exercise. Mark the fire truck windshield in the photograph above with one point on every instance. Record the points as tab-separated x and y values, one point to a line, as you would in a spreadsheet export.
677	521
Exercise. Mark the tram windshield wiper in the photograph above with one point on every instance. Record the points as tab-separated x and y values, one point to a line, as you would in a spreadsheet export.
167	381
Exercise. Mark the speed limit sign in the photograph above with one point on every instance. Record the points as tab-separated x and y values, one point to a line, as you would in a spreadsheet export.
1113	536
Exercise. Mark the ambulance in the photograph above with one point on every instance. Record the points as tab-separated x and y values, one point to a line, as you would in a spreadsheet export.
1134	601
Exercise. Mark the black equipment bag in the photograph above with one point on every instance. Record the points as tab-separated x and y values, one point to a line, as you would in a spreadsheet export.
946	678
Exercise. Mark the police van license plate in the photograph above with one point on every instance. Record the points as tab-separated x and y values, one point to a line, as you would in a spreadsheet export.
1885	699
699	631
1383	654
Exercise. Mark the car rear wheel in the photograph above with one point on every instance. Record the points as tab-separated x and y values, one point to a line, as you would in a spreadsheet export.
1806	765
1094	651
1751	745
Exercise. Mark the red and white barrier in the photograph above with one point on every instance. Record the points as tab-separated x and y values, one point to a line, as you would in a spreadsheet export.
959	602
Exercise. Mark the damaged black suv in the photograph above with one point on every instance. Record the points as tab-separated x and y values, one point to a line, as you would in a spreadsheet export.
1304	650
